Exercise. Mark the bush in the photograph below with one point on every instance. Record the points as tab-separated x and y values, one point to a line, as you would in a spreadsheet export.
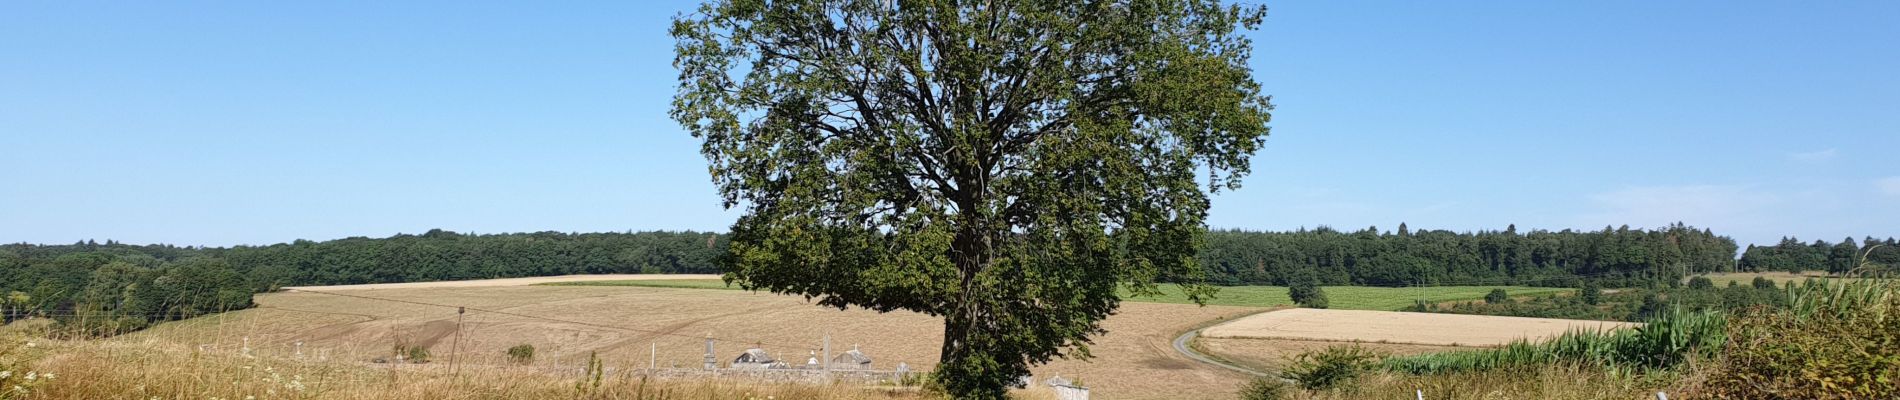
1308	295
1701	282
1591	293
1763	283
1497	296
521	354
1264	389
1328	368
1835	341
413	354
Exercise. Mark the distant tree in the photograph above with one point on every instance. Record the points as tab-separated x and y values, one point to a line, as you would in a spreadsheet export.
1496	296
1763	283
978	161
1701	283
1591	293
1306	292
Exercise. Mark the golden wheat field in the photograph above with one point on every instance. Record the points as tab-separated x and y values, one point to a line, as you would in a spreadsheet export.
632	327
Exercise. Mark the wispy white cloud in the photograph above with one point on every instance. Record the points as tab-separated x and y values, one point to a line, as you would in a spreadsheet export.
1814	156
1889	185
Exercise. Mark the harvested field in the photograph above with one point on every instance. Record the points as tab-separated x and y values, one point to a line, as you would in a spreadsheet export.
1272	354
512	281
1133	361
1398	327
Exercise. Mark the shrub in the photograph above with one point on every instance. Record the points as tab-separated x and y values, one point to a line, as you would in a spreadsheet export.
1264	389
1763	283
1497	296
1307	293
1591	293
1701	282
1835	341
1330	367
521	354
413	354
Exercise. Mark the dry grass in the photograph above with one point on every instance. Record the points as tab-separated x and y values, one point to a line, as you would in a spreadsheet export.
1134	361
1398	327
159	370
1272	354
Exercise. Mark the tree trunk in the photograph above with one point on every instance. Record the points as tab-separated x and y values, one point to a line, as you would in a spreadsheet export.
968	368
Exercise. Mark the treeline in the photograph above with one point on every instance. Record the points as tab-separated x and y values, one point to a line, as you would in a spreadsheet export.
1613	257
1868	256
112	287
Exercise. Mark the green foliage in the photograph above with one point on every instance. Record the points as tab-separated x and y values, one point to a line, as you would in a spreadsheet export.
1591	294
1329	367
521	354
1665	342
985	162
1617	257
1633	305
1264	389
1791	255
1761	282
1341	297
1497	296
1701	283
1836	341
416	354
1307	293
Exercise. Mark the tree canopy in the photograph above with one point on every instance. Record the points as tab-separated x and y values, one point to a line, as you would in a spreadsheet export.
1006	165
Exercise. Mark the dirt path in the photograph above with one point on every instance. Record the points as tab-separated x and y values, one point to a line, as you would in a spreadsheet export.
506	282
1181	345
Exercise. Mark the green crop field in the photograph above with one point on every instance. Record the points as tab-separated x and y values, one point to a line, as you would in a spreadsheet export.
1342	297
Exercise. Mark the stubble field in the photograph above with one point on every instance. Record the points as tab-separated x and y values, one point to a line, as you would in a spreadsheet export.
628	327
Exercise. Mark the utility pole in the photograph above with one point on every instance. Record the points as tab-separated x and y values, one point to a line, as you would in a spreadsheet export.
455	347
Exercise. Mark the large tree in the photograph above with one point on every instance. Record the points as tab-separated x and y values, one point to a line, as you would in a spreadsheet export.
1005	165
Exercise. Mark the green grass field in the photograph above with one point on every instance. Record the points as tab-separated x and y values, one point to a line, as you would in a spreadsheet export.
1342	297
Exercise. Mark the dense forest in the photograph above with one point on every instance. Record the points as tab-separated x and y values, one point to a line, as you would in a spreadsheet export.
118	286
1613	257
1793	256
114	287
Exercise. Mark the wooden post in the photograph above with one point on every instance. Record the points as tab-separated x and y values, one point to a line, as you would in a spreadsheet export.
1661	396
1421	394
653	357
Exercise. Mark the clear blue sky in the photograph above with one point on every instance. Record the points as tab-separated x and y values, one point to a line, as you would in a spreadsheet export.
221	123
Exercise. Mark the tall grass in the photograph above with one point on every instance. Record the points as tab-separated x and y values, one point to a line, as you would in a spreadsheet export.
1667	341
1840	297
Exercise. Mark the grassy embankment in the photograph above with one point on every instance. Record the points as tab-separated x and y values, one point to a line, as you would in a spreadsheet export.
1342	297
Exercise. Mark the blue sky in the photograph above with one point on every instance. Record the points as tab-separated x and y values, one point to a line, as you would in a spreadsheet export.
220	123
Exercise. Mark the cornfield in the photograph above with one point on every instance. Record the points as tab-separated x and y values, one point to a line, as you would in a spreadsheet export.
1662	343
1669	340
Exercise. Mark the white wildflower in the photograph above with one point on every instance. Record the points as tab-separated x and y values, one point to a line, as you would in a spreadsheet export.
30	376
31	345
6	374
